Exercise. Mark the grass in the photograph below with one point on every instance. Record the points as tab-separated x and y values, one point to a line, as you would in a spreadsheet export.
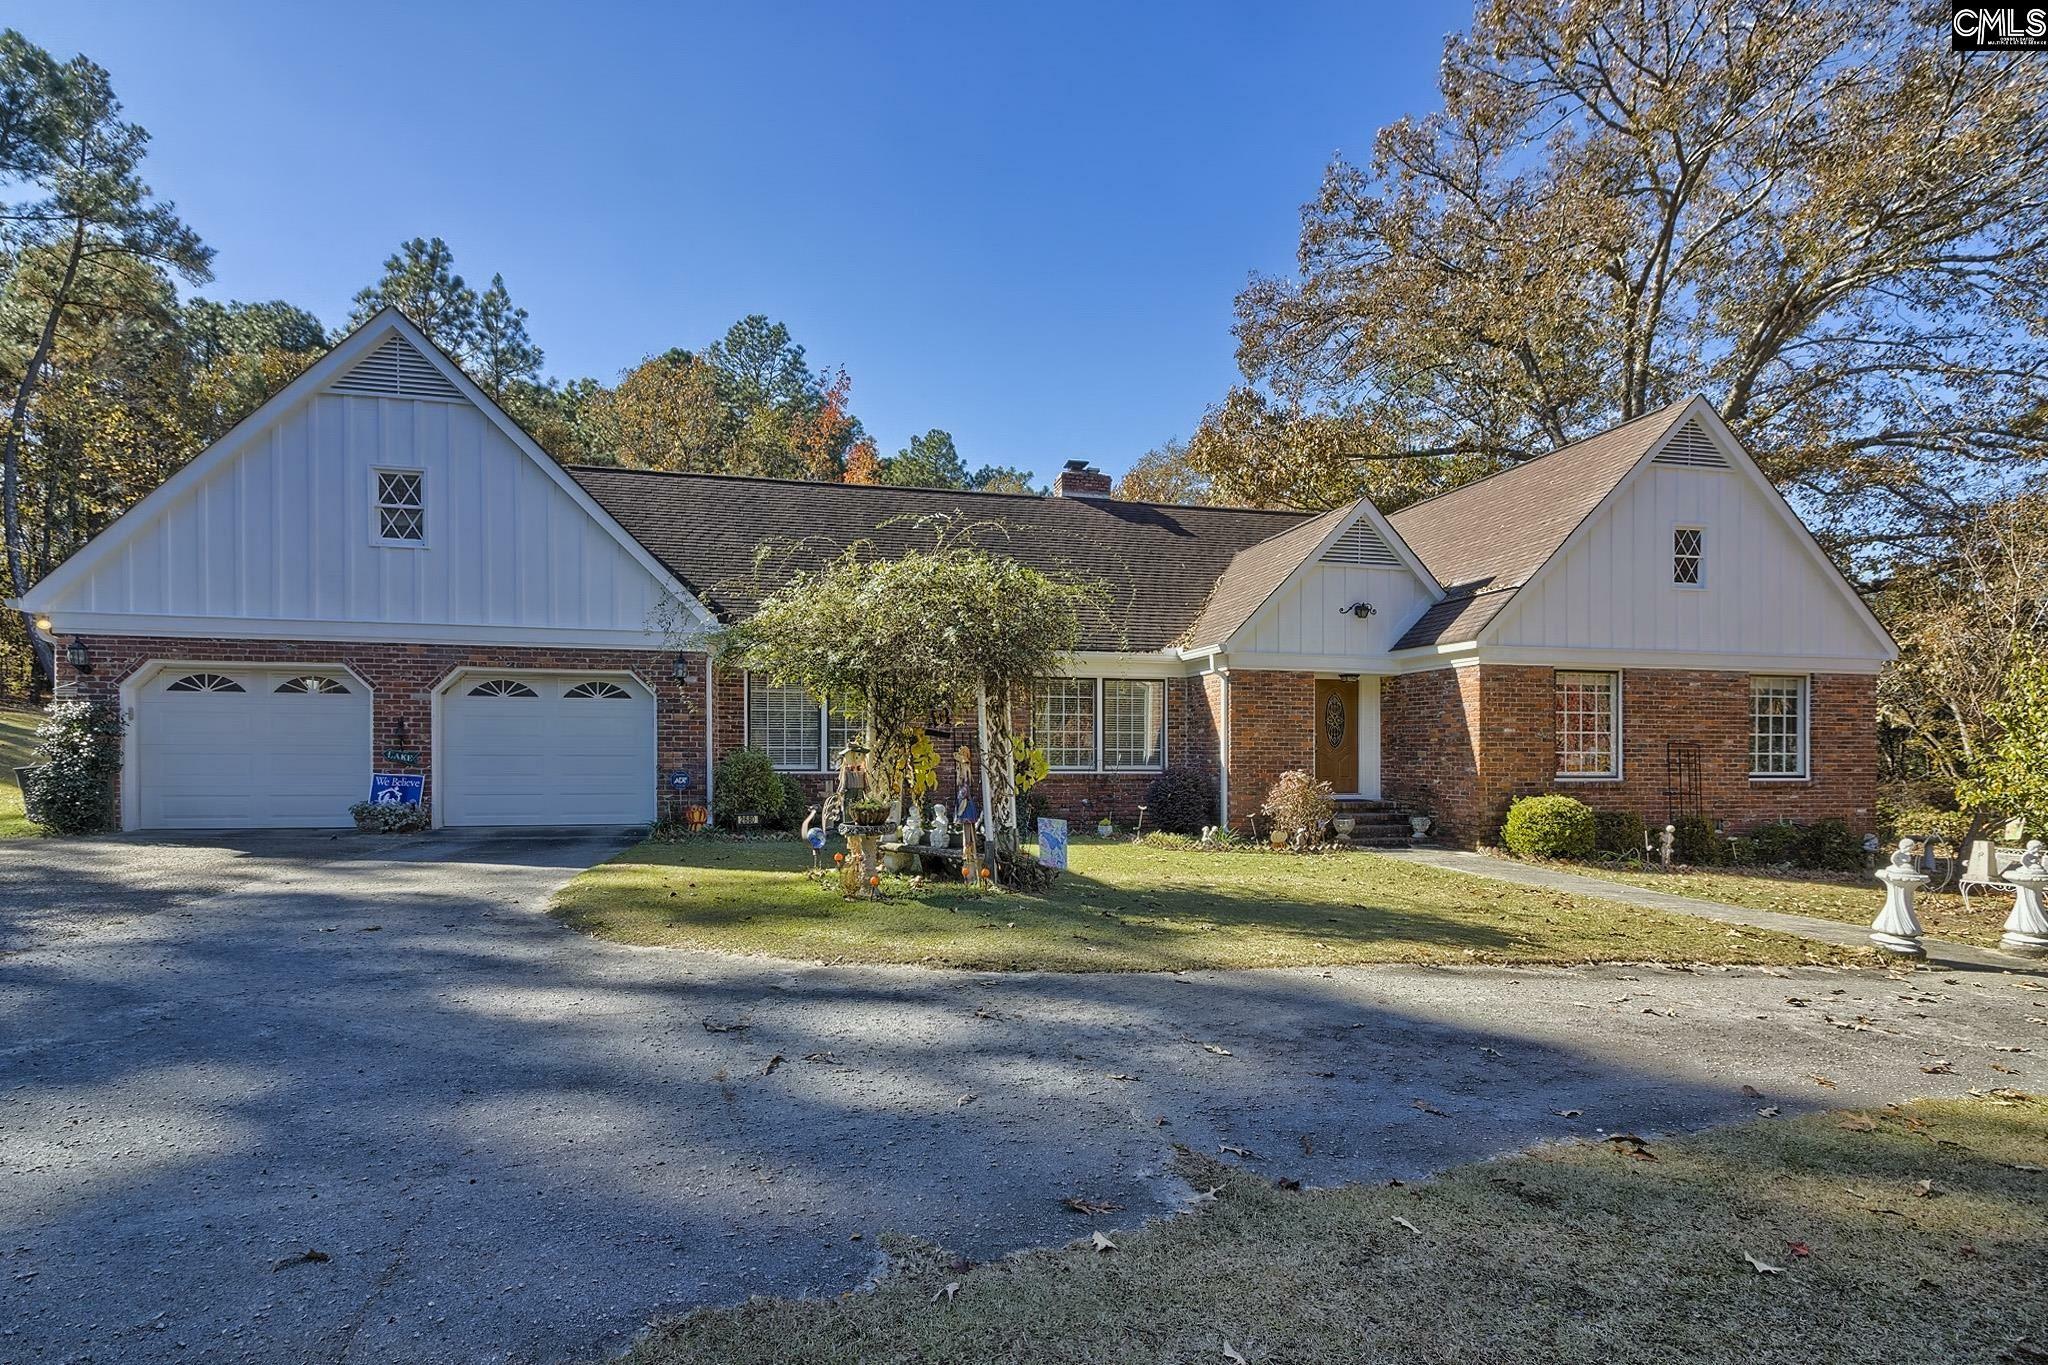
1851	897
1129	907
17	748
1575	1252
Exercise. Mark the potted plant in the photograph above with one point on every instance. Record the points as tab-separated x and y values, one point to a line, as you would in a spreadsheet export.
867	814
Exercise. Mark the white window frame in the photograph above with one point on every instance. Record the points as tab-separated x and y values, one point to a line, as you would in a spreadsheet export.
827	760
1099	762
1102	723
377	506
1700	566
1805	716
1614	730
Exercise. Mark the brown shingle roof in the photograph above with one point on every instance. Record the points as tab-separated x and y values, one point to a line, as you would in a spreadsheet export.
1160	562
1488	538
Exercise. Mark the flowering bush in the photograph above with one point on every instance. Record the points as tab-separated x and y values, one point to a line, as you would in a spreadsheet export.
389	817
72	791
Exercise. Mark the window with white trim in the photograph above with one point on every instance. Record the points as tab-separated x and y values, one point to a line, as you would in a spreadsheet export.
1133	723
782	722
1063	722
841	730
1588	724
1777	727
401	506
1689	556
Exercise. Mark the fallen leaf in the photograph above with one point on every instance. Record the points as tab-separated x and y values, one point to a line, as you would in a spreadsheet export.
1939	1067
1857	1123
1219	1051
1408	1225
1567	1113
1819	1079
2006	1047
1924	1189
1799	1249
827	1058
1287	1182
310	1256
1230	1354
1245	1152
773	1062
1101	1242
948	1292
1769	1111
1091	1207
2003	1070
967	1099
1207	1196
736	1026
1629	1145
1752	1092
1122	1076
1762	1267
1426	1107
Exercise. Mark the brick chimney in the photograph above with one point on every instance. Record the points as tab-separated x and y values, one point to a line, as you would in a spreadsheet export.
1081	480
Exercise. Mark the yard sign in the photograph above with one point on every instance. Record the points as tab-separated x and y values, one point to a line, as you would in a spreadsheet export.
397	789
1052	844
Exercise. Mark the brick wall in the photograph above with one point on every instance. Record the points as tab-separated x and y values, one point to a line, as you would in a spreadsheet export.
1462	743
1272	729
404	677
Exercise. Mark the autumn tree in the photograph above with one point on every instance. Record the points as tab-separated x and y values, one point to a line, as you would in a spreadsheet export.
1813	212
927	461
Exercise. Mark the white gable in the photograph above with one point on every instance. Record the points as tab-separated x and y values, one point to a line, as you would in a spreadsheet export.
1765	589
1344	606
274	531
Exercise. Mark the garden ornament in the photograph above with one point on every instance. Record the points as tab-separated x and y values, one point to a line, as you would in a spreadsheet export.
1897	929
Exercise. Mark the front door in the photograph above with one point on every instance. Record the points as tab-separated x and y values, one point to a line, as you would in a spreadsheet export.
1337	733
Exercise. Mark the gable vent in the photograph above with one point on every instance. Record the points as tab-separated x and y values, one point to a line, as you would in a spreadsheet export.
1364	546
1690	447
396	369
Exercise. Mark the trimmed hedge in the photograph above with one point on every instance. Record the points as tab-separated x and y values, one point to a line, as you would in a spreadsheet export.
747	784
1617	831
1825	845
1696	844
1550	827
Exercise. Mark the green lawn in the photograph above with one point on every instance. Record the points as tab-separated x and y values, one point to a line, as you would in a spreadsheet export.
17	747
1914	1234
1129	907
1851	897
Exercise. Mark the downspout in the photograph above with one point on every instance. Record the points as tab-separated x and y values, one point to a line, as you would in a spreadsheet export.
710	739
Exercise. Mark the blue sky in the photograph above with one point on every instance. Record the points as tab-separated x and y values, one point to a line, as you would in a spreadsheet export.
1025	225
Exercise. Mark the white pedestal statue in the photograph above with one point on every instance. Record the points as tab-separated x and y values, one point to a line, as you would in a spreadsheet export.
1897	929
2026	929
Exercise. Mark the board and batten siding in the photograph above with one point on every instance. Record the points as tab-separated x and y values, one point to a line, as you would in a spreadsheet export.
283	532
1308	617
1763	594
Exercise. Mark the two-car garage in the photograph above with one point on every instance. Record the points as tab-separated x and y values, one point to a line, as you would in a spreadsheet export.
228	746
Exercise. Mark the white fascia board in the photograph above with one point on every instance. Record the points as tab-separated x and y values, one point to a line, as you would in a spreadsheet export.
362	632
1672	659
1105	663
1312	663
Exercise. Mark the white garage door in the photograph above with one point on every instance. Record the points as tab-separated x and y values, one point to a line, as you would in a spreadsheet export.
554	749
228	747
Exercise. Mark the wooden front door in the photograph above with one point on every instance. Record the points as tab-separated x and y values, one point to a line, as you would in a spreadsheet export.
1337	733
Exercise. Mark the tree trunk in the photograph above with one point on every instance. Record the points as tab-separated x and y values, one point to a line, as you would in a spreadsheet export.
10	449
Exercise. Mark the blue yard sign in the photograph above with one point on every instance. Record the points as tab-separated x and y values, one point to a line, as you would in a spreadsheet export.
1052	844
397	789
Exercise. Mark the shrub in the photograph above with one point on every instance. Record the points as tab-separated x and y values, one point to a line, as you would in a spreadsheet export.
1696	844
1299	804
389	817
1825	845
1181	800
1550	827
1947	828
72	791
746	783
1617	831
1153	838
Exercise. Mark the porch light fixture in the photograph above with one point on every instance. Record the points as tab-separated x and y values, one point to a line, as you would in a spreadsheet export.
77	655
43	624
1359	609
680	669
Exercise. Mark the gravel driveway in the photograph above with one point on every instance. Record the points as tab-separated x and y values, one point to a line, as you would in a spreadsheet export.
503	1141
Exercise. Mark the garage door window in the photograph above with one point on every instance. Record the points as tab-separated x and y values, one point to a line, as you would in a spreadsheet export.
324	687
598	691
204	682
502	687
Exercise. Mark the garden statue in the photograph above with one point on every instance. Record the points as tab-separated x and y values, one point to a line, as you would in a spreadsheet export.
1418	827
913	824
1666	842
2026	929
942	833
1897	929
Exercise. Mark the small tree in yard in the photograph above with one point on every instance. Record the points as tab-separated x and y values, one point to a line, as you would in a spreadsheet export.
2012	780
1300	805
71	792
953	629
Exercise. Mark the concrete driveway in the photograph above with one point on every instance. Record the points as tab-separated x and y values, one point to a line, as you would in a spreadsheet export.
507	1142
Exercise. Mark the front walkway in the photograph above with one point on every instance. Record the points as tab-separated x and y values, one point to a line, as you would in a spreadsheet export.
1940	952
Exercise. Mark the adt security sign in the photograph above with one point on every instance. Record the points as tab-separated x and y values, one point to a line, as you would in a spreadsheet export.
1052	844
397	789
679	781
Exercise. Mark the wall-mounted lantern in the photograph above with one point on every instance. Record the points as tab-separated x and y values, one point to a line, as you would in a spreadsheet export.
78	656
